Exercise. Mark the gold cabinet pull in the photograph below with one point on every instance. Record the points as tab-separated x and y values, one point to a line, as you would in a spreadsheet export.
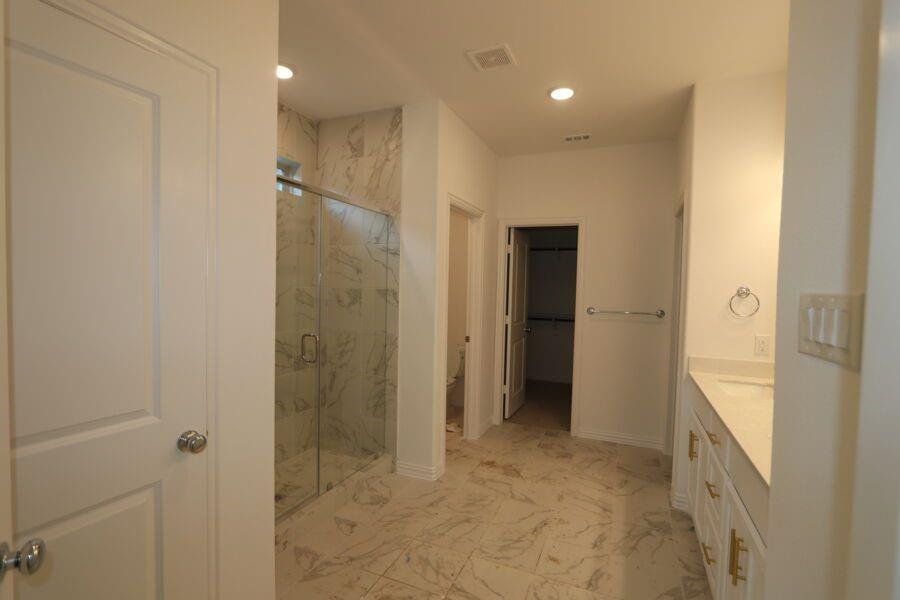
734	559
692	449
711	488
709	560
713	439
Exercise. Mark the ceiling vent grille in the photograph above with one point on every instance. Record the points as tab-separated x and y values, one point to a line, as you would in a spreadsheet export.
578	137
492	58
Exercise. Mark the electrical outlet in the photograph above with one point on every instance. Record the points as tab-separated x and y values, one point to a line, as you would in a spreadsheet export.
762	345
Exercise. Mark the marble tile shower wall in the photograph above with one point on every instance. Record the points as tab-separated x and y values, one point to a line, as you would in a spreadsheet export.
298	140
358	343
359	157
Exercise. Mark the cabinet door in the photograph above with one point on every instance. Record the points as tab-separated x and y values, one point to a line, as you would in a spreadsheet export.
746	565
696	450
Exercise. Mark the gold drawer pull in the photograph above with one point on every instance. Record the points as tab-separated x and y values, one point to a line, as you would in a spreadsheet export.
734	559
692	449
711	488
713	439
709	560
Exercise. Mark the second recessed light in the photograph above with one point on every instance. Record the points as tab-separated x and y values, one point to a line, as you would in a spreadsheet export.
284	72
562	93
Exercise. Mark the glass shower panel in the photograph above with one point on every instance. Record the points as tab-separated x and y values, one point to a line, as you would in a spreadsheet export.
297	294
358	344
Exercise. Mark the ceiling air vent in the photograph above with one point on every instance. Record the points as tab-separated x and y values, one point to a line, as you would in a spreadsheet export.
578	137
491	58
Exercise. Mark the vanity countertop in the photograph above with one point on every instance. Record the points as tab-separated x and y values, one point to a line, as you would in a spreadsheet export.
745	405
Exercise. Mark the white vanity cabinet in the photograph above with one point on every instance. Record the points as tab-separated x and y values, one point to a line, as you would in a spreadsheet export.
731	546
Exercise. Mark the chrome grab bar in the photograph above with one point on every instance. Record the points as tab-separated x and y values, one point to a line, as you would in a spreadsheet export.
659	314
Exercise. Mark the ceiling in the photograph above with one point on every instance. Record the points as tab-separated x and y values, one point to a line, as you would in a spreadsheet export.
631	62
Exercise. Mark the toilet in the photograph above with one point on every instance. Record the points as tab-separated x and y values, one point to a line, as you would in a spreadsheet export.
456	367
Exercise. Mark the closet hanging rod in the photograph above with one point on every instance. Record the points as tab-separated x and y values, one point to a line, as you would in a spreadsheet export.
659	314
567	249
546	318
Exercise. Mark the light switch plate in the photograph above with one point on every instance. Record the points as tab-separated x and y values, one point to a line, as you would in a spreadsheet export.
831	327
762	345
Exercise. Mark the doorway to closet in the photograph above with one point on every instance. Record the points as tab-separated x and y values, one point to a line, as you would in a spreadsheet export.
542	267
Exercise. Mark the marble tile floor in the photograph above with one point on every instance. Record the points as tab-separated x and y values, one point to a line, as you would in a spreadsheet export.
548	404
456	400
522	513
295	477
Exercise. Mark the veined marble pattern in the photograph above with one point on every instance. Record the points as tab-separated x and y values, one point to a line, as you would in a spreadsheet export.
355	384
358	351
298	140
359	157
356	156
522	513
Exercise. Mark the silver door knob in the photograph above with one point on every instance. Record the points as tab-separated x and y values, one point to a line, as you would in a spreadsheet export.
27	560
192	442
527	330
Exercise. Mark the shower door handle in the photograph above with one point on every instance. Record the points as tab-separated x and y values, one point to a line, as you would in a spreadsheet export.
304	356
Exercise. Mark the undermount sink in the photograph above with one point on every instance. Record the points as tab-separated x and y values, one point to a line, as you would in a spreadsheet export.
746	389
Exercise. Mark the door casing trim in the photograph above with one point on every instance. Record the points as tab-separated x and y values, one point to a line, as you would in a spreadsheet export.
499	320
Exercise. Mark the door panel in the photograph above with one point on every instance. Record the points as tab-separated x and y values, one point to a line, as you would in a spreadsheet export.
109	210
127	525
746	553
518	319
696	461
297	275
6	528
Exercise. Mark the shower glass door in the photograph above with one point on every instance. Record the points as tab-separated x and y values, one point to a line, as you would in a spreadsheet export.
335	342
298	225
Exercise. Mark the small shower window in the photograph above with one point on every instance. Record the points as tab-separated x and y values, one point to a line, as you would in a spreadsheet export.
289	169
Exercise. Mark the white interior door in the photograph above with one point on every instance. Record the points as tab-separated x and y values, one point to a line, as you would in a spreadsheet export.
110	171
6	529
517	320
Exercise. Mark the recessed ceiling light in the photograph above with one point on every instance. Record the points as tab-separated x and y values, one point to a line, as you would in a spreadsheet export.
283	72
562	93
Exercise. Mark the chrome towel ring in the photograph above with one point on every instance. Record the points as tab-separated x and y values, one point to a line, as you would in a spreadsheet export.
742	293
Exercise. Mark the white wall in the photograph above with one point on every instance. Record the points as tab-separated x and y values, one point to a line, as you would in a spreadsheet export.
441	156
730	157
734	207
458	286
239	39
874	546
824	240
417	446
468	171
625	196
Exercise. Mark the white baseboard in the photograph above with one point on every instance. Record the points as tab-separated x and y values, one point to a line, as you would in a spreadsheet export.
679	501
621	438
429	473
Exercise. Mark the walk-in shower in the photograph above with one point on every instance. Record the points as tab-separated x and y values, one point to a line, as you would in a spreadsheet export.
335	341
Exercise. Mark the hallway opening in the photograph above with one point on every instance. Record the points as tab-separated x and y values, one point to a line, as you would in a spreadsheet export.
542	268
